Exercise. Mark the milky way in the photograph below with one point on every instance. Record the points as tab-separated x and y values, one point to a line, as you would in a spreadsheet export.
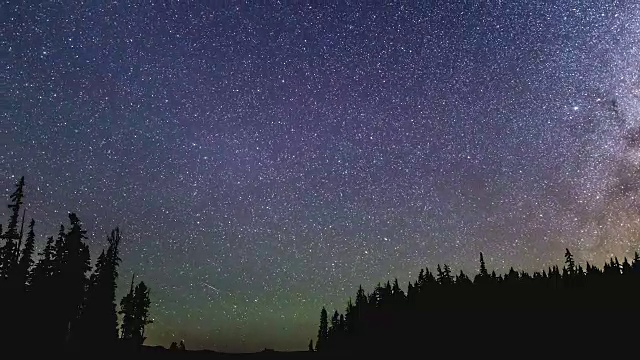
263	160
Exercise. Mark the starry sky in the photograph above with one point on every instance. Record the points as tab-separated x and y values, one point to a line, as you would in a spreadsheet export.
265	158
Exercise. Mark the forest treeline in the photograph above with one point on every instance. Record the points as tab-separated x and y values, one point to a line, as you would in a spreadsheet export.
572	306
56	300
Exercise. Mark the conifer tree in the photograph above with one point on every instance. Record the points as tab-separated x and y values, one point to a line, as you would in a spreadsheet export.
444	275
7	260
43	269
26	258
386	293
99	318
135	310
335	322
447	274
323	330
397	293
16	202
311	345
483	266
127	311
44	286
74	264
571	265
11	296
350	317
142	302
60	251
396	288
361	298
483	276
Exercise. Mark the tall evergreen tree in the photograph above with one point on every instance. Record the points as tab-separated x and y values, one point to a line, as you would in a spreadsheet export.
361	298
44	286
483	266
142	302
7	260
16	202
9	251
11	298
444	275
483	276
25	262
75	263
397	293
60	250
335	322
99	318
571	264
421	279
127	311
43	269
323	331
134	308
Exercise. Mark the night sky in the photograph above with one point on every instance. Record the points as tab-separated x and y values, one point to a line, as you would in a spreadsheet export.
264	159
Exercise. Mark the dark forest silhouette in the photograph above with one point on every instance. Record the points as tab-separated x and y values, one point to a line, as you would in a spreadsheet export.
56	300
443	311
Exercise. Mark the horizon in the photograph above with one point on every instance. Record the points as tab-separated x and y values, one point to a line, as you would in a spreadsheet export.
264	160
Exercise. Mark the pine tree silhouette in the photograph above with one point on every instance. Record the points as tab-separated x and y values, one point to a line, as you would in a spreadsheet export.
16	202
99	320
311	345
142	302
75	263
11	288
134	308
127	310
44	268
323	331
361	298
335	318
60	249
44	286
571	265
483	276
26	259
